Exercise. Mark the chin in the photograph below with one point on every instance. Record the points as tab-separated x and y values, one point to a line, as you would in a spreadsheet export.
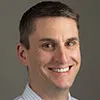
63	85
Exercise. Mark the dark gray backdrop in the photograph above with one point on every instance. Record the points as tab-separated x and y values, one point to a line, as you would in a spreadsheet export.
13	75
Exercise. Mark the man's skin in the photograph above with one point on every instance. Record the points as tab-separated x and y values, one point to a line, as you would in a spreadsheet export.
54	45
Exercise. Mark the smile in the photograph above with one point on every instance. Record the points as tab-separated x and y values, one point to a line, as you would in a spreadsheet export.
60	70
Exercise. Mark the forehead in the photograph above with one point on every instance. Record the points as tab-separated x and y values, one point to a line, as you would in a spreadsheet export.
55	27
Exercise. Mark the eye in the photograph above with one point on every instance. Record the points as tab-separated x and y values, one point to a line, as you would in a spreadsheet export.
71	43
48	46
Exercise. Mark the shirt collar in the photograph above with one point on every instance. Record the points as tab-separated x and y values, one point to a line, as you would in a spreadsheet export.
29	94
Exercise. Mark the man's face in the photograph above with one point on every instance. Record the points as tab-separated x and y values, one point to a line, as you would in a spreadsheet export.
54	55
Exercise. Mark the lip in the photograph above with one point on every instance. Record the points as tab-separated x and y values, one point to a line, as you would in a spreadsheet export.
51	70
60	66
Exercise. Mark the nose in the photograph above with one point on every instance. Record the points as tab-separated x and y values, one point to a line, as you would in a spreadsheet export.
61	55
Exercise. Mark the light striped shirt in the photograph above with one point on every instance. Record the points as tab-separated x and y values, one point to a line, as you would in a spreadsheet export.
29	94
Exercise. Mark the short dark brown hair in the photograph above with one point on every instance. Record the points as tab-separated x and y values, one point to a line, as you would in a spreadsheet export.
43	9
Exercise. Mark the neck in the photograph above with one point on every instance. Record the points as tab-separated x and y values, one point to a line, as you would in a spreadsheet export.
55	95
51	93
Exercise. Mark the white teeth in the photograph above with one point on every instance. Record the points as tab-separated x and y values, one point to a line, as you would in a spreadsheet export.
61	69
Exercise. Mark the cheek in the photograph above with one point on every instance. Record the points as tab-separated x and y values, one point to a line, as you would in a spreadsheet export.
77	59
45	57
76	55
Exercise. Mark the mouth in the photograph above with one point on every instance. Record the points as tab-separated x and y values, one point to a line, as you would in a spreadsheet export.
61	70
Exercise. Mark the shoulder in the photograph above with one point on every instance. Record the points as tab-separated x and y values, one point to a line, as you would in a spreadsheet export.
74	98
18	98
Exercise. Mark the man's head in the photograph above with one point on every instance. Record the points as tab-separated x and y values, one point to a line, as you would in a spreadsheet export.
43	9
49	46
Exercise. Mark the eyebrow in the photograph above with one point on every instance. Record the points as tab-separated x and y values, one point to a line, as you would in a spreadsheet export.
48	39
73	39
54	40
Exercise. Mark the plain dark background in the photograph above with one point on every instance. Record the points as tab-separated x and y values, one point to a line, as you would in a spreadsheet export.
13	75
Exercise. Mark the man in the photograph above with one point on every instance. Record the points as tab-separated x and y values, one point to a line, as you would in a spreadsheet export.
49	47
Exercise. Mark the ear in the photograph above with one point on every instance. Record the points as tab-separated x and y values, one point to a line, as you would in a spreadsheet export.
22	53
